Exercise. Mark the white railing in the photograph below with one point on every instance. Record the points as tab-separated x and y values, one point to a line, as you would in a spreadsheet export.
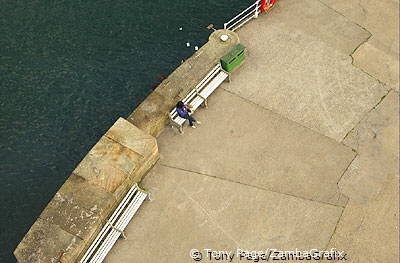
244	17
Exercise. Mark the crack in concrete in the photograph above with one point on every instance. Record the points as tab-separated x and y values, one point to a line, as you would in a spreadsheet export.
210	217
249	185
366	116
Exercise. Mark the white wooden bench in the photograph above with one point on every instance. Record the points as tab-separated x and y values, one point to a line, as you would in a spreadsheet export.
199	94
115	226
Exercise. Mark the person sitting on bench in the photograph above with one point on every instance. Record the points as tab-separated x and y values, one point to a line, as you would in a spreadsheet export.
183	112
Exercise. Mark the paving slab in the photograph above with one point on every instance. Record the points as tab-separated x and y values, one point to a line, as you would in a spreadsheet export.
191	210
243	142
379	56
369	227
303	71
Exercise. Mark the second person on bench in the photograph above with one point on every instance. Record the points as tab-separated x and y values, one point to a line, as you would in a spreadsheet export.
183	112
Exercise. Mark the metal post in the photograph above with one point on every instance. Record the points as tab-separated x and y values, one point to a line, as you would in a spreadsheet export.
256	11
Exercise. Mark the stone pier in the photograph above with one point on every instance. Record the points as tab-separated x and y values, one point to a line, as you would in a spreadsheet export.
299	151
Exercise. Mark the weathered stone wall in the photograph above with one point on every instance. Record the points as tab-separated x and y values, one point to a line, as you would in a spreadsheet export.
128	150
76	214
152	114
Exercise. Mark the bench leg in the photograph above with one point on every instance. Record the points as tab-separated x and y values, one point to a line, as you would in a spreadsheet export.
206	103
116	229
181	129
174	125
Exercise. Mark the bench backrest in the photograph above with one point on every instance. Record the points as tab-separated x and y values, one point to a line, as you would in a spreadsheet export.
208	78
199	87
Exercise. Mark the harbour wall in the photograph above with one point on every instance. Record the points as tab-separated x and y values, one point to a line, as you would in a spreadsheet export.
121	158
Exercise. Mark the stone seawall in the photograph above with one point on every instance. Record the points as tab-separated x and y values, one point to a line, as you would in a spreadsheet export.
77	212
128	150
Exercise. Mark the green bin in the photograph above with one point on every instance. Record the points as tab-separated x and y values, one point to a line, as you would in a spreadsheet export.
233	58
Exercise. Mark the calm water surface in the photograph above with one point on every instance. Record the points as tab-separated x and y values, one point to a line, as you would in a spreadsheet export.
68	70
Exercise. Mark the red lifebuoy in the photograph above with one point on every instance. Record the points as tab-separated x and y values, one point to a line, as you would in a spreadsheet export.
263	5
267	5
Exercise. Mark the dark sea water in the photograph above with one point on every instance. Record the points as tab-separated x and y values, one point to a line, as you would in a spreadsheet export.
68	70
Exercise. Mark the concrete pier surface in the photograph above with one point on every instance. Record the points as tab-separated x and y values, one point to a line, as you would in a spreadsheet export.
300	150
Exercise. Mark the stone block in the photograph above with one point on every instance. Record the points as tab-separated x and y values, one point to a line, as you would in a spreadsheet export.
173	86
151	116
146	167
78	211
108	164
132	137
46	242
78	207
136	177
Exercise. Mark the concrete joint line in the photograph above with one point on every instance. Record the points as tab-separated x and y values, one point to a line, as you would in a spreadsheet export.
334	230
341	176
334	10
61	228
357	47
249	185
286	118
365	72
366	116
122	145
362	43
